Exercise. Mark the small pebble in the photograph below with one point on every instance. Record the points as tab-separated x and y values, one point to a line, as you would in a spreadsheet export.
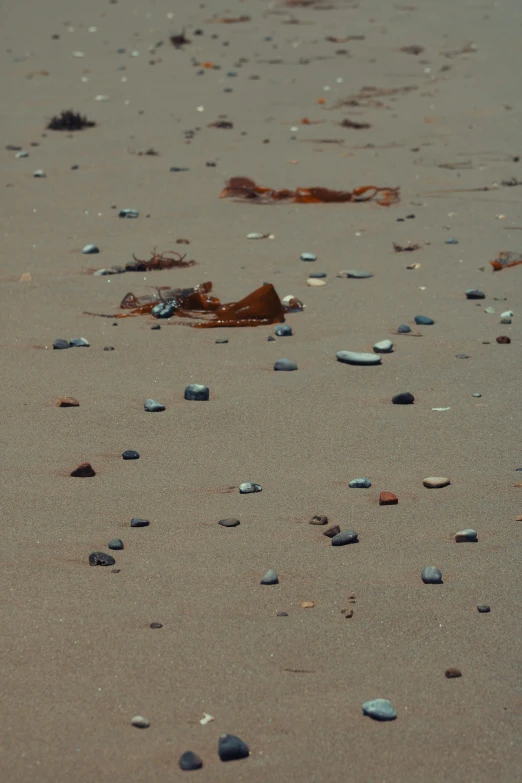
271	338
89	250
355	357
505	320
221	340
451	674
101	559
466	535
317	275
314	282
283	331
152	406
388	499
128	213
503	340
79	342
307	604
360	483
431	575
60	345
155	327
490	310
346	537
116	543
229	522
404	398
231	748
109	348
163	310
196	391
384	346
475	293
156	625
130	454
317	519
270	578
461	356
507	314
67	402
308	257
140	722
451	241
39	174
483	608
22	154
248	486
332	531
403	329
282	614
379	709
436	482
189	761
355	274
476	394
137	522
285	365
423	320
84	470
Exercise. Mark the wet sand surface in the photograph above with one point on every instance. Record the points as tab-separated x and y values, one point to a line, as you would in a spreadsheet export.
79	657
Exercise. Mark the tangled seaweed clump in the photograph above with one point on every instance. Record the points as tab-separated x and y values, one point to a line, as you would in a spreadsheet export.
69	121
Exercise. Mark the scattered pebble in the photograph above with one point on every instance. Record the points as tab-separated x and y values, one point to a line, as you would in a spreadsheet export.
507	314
270	578
84	470
155	327
451	241
220	340
101	559
475	293
452	674
89	250
505	321
490	310
137	522
60	345
271	338
483	608
248	486
308	257
379	709
130	454
354	357
109	348
285	365
39	174
156	625
461	356
423	320
354	273
314	282
317	275
231	748
404	398
403	329
466	535
229	522
283	330
140	722
190	761
307	604
360	483
152	406
128	213
67	402
476	394
503	340
431	575
79	342
116	543
196	391
388	499
384	346
436	482
22	154
317	519
282	614
346	537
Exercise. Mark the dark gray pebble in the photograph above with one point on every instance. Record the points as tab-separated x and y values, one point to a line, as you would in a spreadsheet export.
360	483
271	338
221	340
431	575
195	391
189	761
286	365
155	327
270	578
79	342
461	356
231	748
156	625
424	320
483	608
404	398
101	559
379	709
317	275
248	487
163	310
229	522
451	241
137	522
346	537
128	213
89	250
60	345
403	329
130	454
116	543
475	293
109	348
283	330
152	406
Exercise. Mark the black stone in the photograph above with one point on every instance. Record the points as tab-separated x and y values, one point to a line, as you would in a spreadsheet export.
60	345
101	559
130	454
404	398
483	608
283	330
231	748
155	327
189	761
156	625
404	329
282	614
474	293
317	275
221	340
196	391
116	543
461	356
229	522
137	522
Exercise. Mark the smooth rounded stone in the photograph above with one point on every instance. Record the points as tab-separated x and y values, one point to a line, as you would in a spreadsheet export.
507	314
423	320
163	310
248	487
317	275
379	709
461	356
152	406
230	522
505	320
384	346
483	609
102	272
332	531
270	578
90	250
404	398
308	257
318	519
403	329
231	748
360	483
39	174
101	559
285	365
116	543
221	340
282	614
436	482
68	402
140	722
431	575
189	761
476	394
388	499
451	241
475	293
356	274
137	522
271	338
130	454
283	330
79	342
156	625
346	537
314	282
22	154
466	535
355	357
452	673
60	345
196	391
128	213
84	470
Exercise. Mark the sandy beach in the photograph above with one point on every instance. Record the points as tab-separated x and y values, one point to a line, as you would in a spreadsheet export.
438	87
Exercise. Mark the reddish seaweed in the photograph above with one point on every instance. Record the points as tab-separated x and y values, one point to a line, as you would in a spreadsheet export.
245	188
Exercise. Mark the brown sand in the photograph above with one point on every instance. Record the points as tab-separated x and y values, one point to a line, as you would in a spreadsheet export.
79	658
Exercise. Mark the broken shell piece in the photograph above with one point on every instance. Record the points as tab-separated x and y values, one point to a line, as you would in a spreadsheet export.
206	719
307	604
293	304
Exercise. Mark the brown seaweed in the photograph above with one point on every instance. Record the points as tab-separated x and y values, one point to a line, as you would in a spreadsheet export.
505	259
245	188
170	259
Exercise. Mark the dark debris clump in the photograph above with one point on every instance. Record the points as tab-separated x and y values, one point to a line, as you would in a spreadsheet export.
69	121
